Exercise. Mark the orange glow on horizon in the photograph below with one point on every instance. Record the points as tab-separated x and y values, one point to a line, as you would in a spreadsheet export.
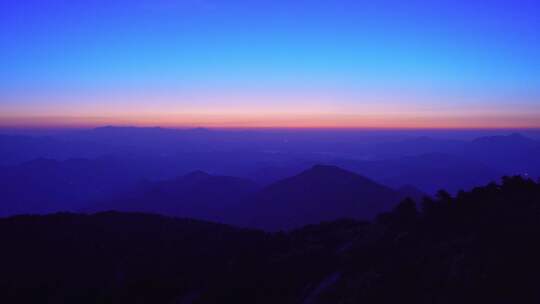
286	120
287	108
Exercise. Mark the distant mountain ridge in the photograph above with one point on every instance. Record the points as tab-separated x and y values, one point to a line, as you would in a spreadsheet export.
428	172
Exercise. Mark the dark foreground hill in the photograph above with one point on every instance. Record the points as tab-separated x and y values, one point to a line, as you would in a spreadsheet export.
479	247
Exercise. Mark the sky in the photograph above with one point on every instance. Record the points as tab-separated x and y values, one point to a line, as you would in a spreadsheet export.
270	63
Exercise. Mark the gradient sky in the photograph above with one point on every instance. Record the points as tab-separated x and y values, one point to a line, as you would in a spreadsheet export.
270	63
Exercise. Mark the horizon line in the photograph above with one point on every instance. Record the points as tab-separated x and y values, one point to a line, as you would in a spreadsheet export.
240	128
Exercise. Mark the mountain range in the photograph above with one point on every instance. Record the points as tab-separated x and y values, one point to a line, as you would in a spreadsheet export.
321	193
248	178
393	159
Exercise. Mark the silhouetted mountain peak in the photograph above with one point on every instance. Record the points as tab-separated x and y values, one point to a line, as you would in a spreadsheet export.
326	169
318	194
329	174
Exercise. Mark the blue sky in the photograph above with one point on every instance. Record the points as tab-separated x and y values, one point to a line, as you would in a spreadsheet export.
418	59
